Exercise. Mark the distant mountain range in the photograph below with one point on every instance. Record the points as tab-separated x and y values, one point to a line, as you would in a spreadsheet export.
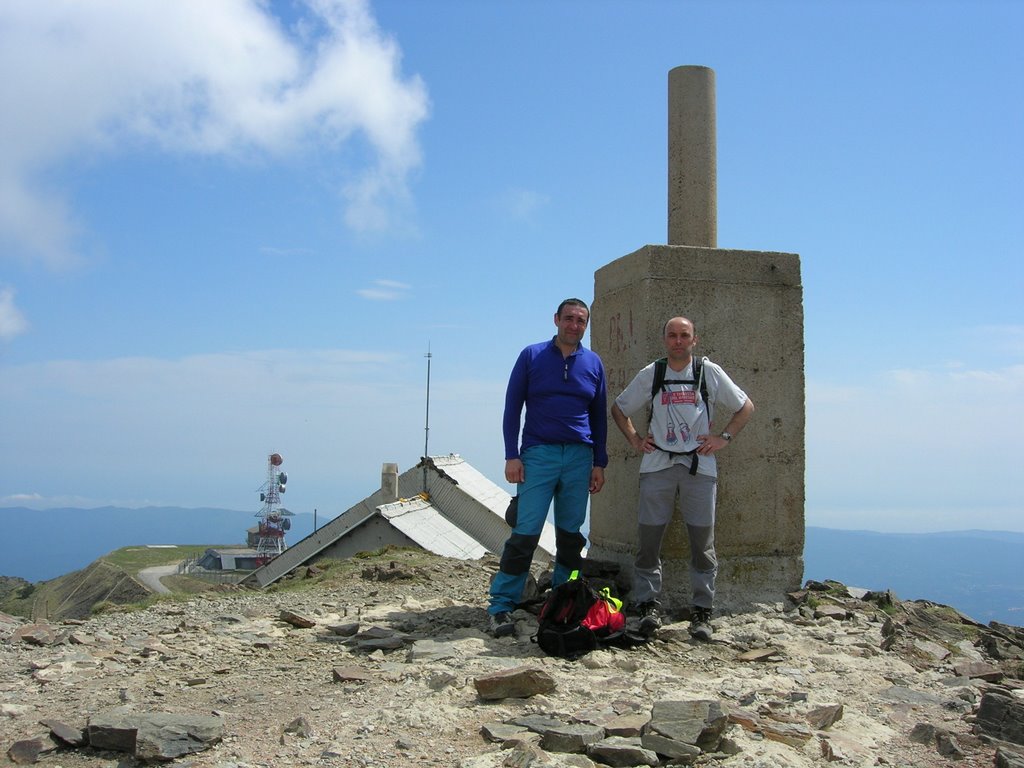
43	544
980	573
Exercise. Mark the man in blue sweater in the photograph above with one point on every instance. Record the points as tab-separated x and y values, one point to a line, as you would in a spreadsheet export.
562	456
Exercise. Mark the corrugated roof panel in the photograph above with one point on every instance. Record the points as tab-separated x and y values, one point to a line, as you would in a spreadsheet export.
472	482
421	522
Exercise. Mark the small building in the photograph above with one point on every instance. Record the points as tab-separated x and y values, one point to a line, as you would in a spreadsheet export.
443	505
231	559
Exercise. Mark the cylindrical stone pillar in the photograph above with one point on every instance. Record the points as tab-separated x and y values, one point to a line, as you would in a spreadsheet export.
692	169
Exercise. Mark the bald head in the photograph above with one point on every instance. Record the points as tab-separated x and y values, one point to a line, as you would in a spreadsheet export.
680	339
676	321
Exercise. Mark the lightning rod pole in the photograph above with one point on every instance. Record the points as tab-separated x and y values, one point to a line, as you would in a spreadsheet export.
426	427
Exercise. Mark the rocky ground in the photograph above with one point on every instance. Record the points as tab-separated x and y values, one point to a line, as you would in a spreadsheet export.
385	666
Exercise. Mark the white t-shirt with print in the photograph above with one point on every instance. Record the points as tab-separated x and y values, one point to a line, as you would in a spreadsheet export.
680	414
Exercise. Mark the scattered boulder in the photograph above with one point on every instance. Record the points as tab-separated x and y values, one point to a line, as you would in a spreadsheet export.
351	675
154	736
571	738
516	683
27	751
824	717
1006	758
671	748
699	723
297	619
1001	716
622	751
35	634
344	630
68	735
979	670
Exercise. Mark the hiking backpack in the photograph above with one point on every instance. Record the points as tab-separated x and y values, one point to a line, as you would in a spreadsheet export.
658	386
576	619
660	371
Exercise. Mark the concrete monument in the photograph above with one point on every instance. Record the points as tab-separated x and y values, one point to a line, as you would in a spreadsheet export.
747	307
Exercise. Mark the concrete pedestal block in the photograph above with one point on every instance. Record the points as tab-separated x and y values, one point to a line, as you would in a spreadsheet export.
747	307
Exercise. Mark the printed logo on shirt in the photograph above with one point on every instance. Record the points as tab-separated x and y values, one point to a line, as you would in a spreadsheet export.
679	398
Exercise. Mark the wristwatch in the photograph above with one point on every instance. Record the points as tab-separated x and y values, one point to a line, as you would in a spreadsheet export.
726	436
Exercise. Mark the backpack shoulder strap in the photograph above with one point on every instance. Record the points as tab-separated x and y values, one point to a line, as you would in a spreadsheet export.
660	366
698	376
661	370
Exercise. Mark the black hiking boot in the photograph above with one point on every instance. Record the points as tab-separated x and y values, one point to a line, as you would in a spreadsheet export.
650	617
502	624
700	623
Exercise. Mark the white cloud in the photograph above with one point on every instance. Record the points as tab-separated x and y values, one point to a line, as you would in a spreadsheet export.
385	290
223	78
12	321
917	449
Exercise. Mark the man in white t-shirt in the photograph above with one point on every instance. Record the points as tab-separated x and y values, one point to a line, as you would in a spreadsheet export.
679	459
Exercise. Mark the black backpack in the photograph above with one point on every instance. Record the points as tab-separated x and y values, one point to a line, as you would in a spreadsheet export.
660	371
560	630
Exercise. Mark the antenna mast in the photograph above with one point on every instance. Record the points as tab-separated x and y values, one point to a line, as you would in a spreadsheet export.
426	426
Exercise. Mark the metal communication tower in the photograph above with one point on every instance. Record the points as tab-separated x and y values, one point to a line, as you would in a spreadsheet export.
274	519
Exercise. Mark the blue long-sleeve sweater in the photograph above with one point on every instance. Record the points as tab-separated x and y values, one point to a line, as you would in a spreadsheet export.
565	399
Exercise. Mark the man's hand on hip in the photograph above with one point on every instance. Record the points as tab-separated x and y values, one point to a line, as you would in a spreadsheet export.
710	444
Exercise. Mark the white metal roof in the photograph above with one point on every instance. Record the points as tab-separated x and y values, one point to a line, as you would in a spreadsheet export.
465	496
423	523
472	482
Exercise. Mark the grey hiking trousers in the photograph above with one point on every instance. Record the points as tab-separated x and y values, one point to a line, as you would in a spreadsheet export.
658	491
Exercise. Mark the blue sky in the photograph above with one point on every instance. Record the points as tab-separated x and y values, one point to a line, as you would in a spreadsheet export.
230	229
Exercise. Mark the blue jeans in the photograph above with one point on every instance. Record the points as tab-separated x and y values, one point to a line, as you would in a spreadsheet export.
559	473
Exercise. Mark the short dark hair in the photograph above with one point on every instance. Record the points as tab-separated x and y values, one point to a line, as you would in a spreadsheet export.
572	303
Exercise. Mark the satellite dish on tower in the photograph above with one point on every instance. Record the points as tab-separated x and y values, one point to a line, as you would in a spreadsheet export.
272	527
